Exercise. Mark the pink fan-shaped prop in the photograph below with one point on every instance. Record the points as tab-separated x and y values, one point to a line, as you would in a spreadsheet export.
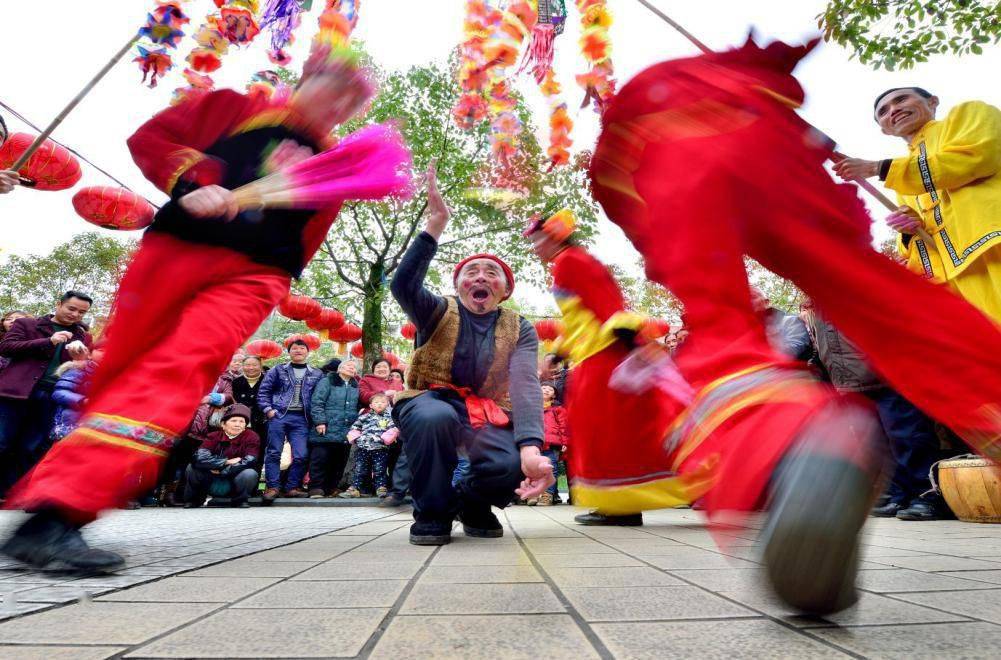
369	164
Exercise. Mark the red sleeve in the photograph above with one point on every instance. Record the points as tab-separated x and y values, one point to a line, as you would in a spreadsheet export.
366	391
561	418
170	146
577	273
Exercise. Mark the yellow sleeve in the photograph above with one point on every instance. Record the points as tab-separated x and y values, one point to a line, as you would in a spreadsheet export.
969	149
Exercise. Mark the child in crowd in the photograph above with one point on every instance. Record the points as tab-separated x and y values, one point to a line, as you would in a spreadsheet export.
556	440
372	432
68	394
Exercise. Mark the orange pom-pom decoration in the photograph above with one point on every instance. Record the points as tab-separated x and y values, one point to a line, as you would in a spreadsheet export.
51	167
299	308
113	208
408	331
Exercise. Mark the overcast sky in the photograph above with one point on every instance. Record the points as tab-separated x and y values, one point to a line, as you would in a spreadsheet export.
50	49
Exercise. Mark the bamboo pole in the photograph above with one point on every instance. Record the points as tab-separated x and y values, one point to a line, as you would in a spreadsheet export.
862	183
72	104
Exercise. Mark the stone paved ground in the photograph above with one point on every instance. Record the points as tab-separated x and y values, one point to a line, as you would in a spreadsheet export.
549	589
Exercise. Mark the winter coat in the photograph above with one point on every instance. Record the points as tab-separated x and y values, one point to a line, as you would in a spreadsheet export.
209	417
218	448
372	425
788	334
247	395
371	385
334	403
279	384
845	365
68	396
554	419
27	344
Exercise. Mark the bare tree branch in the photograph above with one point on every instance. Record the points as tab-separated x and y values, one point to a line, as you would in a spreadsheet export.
329	249
361	231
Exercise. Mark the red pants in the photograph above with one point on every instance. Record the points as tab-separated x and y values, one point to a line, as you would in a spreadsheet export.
695	198
181	312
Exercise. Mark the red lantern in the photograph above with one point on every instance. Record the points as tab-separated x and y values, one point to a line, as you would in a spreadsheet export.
312	341
346	334
299	308
264	349
549	329
327	319
113	208
409	331
656	328
358	350
52	167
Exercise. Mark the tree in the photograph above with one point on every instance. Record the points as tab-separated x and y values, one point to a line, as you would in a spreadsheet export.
365	246
91	262
899	33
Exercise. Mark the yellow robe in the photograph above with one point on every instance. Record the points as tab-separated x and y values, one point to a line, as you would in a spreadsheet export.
952	177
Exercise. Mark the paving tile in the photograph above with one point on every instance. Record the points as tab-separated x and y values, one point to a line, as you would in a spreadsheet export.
938	563
479	574
903	580
694	558
332	594
486	637
302	633
612	576
27	652
342	570
950	640
723	579
547	533
709	639
871	609
366	556
984	605
649	546
871	552
247	568
650	603
587	561
374	528
563	546
10	609
501	557
60	594
101	623
427	598
993	577
192	590
297	555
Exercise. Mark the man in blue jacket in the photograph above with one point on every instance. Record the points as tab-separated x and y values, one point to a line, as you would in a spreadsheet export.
284	397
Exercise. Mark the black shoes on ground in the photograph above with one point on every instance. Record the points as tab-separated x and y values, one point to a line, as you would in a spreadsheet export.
595	518
431	532
920	509
46	541
481	524
888	510
392	500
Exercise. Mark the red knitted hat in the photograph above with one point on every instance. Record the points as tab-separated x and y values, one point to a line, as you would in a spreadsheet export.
508	273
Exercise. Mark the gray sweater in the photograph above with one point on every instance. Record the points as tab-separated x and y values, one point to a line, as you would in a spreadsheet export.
474	354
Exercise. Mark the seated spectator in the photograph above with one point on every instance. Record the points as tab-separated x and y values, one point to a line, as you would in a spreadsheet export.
5	322
246	388
223	465
334	409
378	382
372	433
69	395
555	441
36	347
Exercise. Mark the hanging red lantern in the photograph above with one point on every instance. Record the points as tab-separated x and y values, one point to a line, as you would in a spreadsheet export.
264	349
51	167
299	308
358	350
344	335
113	208
549	329
408	331
656	328
312	341
327	319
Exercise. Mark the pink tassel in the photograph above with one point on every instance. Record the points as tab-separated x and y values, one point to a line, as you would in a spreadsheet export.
540	52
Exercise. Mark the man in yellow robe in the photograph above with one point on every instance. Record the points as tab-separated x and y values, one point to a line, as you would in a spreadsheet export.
950	188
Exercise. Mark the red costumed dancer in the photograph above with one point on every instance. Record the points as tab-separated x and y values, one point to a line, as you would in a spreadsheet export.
618	462
702	161
203	280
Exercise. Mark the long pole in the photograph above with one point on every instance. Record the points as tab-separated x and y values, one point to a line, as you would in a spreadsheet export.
865	185
72	104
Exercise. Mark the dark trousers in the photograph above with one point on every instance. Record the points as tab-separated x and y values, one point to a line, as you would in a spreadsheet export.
433	426
24	434
371	462
292	427
199	480
553	454
913	444
395	450
400	476
326	464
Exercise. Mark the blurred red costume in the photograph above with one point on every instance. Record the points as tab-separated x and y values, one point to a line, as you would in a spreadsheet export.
193	293
618	462
703	161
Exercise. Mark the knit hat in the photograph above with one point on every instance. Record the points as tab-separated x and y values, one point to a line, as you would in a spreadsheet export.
237	410
508	273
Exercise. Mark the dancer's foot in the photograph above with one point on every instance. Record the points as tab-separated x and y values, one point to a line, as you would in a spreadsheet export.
431	532
46	541
481	524
597	518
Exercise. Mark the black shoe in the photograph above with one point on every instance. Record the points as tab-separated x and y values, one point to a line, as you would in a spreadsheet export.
888	510
922	509
882	500
392	500
242	504
431	532
595	518
46	541
481	524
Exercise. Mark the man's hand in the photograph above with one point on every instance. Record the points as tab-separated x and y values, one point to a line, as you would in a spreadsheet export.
321	429
60	337
538	471
210	202
850	169
437	211
904	220
272	413
8	181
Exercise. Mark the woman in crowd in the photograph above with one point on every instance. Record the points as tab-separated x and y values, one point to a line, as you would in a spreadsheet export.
380	381
5	323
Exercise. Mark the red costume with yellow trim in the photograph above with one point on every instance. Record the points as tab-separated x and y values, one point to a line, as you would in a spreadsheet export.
703	161
195	290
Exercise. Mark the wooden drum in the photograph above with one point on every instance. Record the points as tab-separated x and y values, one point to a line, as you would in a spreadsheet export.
972	488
